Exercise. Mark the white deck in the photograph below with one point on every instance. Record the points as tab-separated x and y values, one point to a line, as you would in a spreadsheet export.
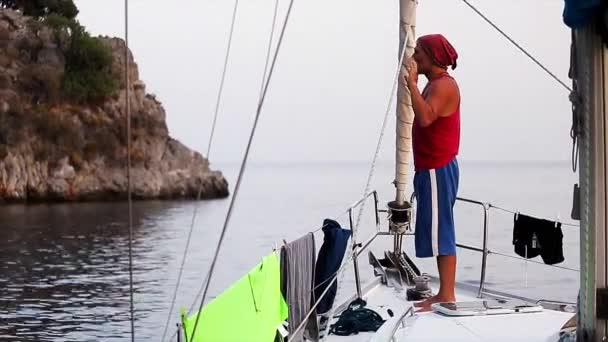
431	326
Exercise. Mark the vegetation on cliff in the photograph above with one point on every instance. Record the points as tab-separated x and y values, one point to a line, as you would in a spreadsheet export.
63	115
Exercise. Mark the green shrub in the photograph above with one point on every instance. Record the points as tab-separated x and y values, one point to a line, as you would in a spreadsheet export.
58	22
42	8
65	8
88	64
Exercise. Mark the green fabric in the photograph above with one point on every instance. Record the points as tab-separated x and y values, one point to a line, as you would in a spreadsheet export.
250	310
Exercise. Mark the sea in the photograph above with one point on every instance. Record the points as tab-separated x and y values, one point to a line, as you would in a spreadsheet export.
65	267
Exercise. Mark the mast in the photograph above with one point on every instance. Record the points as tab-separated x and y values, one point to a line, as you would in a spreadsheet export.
591	73
400	208
405	112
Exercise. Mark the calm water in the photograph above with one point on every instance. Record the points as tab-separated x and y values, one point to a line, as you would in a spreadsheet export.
64	274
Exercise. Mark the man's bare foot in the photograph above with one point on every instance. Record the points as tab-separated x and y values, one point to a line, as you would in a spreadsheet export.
424	303
435	299
424	309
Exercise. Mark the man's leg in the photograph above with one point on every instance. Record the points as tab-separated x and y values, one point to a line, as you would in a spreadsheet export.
447	282
447	278
447	187
444	185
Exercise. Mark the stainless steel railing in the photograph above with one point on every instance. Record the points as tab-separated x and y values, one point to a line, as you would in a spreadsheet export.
484	250
358	248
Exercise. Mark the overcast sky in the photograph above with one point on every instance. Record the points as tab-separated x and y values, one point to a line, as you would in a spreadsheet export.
333	78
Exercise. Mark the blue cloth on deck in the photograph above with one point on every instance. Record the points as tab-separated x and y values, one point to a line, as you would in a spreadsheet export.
580	13
330	257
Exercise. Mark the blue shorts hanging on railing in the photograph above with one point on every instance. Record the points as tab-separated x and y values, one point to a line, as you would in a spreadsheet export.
435	197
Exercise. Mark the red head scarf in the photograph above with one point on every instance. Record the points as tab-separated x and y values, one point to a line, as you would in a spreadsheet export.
439	49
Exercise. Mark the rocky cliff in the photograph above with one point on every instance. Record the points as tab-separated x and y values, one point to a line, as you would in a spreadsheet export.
57	149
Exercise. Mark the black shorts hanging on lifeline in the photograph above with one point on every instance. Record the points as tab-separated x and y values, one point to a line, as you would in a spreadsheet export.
533	237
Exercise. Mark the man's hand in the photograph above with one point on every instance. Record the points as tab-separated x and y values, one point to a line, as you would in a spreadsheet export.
411	77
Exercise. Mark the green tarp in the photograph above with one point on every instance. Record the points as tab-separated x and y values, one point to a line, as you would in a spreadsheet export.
250	310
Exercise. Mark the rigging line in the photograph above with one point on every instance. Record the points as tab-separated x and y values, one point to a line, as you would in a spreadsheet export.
350	258
207	277
344	212
514	212
318	230
517	45
200	189
314	307
533	261
129	183
335	218
243	164
200	291
221	90
340	271
195	210
274	21
263	93
181	268
352	241
198	294
200	186
381	137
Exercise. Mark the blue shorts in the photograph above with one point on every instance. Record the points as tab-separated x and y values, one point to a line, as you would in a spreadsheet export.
435	197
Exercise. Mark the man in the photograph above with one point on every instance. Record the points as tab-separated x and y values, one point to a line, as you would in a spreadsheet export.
436	140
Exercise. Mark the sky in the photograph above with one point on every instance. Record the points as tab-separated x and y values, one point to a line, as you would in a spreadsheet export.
333	78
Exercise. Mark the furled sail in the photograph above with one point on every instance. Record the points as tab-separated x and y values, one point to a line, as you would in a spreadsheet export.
405	112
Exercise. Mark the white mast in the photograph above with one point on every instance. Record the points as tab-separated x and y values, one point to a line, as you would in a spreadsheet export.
405	112
591	63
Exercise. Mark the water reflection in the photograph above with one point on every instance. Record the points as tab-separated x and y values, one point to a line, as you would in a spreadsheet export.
64	269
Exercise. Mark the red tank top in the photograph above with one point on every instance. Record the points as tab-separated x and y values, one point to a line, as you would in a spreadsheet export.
437	144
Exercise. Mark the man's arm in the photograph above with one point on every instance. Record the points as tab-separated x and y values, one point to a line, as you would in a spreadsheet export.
436	103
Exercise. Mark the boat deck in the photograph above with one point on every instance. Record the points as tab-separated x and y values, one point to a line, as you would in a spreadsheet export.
433	326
